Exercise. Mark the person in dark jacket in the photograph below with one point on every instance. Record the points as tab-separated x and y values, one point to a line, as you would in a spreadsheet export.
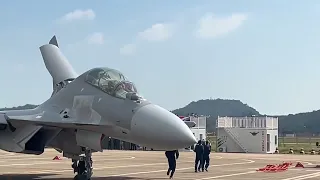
199	156
206	155
172	156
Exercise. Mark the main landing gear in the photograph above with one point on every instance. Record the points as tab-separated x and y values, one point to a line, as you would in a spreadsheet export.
83	166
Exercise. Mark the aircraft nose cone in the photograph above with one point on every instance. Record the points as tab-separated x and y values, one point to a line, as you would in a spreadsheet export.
155	127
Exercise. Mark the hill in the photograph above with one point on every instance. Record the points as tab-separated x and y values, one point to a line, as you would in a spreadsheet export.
215	108
27	106
305	123
301	123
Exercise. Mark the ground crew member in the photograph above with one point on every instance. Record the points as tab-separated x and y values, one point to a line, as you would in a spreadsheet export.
172	156
199	156
206	155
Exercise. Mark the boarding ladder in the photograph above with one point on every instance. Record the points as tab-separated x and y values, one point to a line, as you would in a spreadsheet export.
236	139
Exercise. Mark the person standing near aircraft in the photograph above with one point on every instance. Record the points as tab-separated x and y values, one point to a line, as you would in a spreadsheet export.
206	155
172	156
199	156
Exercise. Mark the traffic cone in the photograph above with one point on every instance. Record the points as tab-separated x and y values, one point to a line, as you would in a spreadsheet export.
299	165
57	158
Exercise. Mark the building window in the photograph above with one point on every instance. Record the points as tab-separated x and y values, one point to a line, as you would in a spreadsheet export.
275	139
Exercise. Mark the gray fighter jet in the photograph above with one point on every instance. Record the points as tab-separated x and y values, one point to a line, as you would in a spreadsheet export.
83	109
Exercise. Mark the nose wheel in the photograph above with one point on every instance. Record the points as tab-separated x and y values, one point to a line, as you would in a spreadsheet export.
83	166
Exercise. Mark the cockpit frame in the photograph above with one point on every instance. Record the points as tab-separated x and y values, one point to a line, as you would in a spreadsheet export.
110	81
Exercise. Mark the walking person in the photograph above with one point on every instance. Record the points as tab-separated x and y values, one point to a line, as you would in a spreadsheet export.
206	155
172	156
199	156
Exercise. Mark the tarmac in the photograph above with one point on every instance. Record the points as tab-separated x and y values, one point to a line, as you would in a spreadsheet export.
152	165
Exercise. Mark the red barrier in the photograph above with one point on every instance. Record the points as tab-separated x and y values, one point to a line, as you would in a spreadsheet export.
57	158
276	168
300	165
267	167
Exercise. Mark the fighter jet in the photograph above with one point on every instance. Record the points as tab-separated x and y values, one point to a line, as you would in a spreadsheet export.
83	109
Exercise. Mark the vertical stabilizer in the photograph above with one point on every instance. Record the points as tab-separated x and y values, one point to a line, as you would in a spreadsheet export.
56	63
54	41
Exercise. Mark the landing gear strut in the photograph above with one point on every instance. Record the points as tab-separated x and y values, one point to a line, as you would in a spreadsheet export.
83	166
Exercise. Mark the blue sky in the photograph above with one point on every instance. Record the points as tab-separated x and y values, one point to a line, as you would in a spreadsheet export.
264	53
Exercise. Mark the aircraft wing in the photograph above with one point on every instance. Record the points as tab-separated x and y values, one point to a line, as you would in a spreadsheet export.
48	119
30	133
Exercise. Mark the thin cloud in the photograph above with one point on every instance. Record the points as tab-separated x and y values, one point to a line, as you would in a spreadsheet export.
78	15
96	38
157	32
128	49
211	26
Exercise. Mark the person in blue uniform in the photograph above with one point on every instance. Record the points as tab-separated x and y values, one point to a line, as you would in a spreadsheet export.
172	156
198	149
206	155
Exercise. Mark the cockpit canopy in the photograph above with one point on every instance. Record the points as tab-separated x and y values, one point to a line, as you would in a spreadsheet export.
111	81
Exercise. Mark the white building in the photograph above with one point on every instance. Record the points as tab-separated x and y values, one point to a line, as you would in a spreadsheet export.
197	124
200	129
247	134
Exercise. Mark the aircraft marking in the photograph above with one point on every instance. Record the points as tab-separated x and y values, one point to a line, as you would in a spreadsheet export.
306	176
126	166
138	165
228	175
179	169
